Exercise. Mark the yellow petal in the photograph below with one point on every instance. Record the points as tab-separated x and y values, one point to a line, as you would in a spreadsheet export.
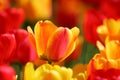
75	32
103	32
53	75
113	49
42	71
65	73
113	27
112	63
43	31
59	43
100	46
29	72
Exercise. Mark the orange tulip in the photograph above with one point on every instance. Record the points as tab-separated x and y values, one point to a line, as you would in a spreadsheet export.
52	42
108	58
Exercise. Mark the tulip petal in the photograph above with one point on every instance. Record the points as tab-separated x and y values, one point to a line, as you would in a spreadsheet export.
113	49
7	45
31	37
63	72
75	32
43	30
70	49
29	71
77	51
73	43
42	71
113	27
25	52
59	43
103	32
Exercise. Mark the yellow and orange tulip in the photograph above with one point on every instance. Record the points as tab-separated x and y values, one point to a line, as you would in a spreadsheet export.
108	58
52	42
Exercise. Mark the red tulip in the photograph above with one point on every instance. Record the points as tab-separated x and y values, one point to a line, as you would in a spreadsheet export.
24	51
111	8
7	73
10	19
67	13
110	74
7	46
92	20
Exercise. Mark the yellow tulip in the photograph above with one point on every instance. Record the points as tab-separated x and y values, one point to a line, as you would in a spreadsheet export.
36	9
110	28
47	72
51	42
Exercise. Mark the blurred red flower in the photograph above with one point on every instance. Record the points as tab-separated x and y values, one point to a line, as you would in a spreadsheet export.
11	18
92	19
67	13
111	8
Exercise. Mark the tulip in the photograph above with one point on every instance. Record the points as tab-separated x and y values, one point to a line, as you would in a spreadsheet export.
7	46
106	59
37	8
47	72
100	62
98	66
24	52
7	73
110	28
110	8
10	19
92	20
110	74
67	15
52	42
